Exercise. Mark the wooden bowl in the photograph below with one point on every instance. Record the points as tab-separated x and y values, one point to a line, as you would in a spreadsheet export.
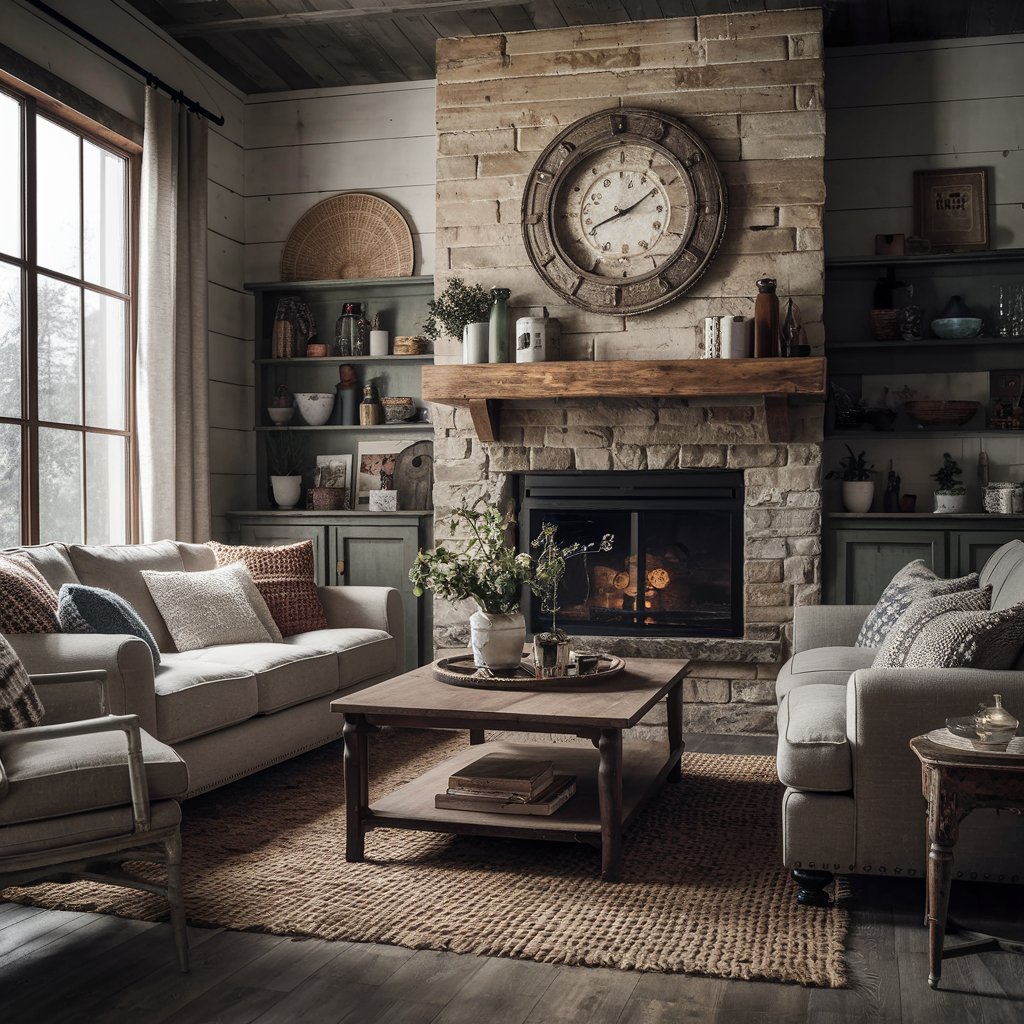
941	414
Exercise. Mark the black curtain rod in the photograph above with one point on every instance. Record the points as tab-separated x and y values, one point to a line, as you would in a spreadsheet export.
151	79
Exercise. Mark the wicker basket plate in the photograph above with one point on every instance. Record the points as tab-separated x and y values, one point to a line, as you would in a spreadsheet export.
354	236
461	671
941	414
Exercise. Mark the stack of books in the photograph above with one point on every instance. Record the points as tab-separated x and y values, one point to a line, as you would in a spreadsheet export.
507	785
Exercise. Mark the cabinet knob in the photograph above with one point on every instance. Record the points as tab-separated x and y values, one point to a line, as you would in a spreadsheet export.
339	566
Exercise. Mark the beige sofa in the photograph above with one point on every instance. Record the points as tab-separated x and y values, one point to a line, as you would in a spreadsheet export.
853	802
229	710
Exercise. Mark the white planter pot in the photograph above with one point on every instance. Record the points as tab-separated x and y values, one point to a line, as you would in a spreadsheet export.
950	502
497	640
858	495
287	490
474	342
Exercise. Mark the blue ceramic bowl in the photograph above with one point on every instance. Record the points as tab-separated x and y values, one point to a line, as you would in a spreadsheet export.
957	327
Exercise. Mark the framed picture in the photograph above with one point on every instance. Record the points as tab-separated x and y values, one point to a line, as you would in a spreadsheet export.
334	471
951	208
403	466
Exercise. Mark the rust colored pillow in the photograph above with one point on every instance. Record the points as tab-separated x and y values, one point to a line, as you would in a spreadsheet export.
27	602
286	579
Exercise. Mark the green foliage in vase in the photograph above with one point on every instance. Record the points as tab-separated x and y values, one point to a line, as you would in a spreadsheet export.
459	304
485	567
550	565
946	476
852	467
285	453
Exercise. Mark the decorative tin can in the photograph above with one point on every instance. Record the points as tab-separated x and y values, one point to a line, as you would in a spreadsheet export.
999	497
536	338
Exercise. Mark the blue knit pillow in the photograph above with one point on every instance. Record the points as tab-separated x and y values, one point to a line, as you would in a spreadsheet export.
93	610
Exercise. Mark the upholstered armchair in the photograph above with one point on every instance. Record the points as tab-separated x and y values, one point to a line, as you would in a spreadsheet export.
81	795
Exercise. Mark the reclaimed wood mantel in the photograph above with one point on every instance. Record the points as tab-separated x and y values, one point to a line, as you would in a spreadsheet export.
483	387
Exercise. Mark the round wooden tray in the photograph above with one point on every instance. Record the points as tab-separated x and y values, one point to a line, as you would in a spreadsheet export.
461	671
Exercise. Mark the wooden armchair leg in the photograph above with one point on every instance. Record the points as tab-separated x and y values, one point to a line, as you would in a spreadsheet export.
176	900
812	887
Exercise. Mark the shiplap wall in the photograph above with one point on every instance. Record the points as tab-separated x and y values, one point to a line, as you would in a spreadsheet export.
31	34
895	109
890	111
301	147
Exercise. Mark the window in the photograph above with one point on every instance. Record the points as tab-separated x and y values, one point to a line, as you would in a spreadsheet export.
66	329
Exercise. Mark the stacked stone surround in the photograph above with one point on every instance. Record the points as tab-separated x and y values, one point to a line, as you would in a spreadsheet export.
751	85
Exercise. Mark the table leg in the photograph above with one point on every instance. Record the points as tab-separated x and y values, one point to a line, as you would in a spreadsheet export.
356	785
674	710
609	791
476	736
944	817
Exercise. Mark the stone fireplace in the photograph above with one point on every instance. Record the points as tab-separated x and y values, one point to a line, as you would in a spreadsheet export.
750	85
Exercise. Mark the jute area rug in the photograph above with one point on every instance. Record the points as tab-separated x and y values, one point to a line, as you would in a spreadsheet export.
704	889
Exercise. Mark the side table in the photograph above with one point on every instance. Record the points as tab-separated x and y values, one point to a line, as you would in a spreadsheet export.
956	778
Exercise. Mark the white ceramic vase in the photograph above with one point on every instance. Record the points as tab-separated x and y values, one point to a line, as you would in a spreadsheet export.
950	503
858	495
474	342
287	490
497	639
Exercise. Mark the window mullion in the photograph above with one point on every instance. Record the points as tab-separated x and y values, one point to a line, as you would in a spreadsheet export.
30	335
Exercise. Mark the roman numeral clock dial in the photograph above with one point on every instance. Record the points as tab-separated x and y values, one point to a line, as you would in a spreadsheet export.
616	207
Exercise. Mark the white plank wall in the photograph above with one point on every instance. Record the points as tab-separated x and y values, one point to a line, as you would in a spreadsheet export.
895	109
301	147
28	32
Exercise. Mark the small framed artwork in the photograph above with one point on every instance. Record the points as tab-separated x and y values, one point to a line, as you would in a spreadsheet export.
334	471
402	466
951	209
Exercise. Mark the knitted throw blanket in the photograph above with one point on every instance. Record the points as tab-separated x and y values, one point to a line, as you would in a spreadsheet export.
20	706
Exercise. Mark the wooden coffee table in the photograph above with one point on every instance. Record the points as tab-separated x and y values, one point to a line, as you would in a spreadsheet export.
613	782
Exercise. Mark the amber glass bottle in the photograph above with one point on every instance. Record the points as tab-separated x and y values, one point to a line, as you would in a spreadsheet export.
766	319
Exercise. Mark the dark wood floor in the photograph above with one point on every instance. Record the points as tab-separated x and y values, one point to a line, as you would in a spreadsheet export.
68	967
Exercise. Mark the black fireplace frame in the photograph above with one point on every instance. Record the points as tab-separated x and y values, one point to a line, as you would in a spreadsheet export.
641	491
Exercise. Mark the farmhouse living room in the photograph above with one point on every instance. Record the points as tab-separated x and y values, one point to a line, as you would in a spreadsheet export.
511	511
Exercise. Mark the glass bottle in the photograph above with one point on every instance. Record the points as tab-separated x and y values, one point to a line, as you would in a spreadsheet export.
352	331
766	319
790	328
370	412
497	330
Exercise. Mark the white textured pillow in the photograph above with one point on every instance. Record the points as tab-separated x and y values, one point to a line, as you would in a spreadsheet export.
989	640
917	619
205	609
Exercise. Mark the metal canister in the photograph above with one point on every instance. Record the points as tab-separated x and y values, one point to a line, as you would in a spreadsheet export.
536	338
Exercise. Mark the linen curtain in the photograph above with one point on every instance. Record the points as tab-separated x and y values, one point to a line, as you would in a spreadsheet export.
172	361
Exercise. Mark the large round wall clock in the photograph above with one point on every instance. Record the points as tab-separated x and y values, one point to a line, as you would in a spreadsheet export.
623	211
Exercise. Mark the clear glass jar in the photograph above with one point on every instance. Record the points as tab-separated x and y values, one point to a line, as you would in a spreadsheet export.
352	331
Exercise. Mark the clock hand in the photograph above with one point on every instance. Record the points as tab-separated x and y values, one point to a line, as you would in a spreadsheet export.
622	213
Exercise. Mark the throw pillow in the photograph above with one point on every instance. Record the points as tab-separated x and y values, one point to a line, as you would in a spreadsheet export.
27	602
286	577
919	616
989	640
82	609
20	706
912	583
208	609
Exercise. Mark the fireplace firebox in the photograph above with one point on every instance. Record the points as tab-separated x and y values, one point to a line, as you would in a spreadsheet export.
676	564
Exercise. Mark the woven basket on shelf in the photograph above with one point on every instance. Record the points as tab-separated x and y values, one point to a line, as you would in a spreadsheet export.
941	414
348	237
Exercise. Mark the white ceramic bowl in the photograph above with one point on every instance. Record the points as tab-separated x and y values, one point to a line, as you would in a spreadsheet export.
315	406
280	415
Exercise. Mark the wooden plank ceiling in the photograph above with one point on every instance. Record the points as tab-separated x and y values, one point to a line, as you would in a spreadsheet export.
278	45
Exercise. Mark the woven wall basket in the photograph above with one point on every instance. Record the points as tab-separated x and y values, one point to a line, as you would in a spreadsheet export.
348	237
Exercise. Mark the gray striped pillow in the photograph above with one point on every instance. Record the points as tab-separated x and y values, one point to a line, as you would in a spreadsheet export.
20	706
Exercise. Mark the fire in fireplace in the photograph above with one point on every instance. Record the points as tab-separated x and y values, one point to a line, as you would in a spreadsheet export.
675	567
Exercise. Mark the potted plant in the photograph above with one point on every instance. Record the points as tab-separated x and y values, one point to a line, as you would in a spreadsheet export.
461	311
858	488
950	495
486	569
551	649
285	458
281	407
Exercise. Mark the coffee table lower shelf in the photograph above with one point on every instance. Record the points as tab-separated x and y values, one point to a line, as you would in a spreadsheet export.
644	768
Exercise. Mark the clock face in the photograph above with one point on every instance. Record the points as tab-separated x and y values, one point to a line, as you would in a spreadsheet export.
623	211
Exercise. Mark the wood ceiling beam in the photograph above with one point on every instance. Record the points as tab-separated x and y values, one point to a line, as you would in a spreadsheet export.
306	19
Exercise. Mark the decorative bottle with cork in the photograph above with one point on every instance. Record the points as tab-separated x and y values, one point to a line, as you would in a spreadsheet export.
370	412
766	319
497	329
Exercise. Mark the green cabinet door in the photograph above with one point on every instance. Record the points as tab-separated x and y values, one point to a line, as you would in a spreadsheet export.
859	563
274	534
974	547
381	556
